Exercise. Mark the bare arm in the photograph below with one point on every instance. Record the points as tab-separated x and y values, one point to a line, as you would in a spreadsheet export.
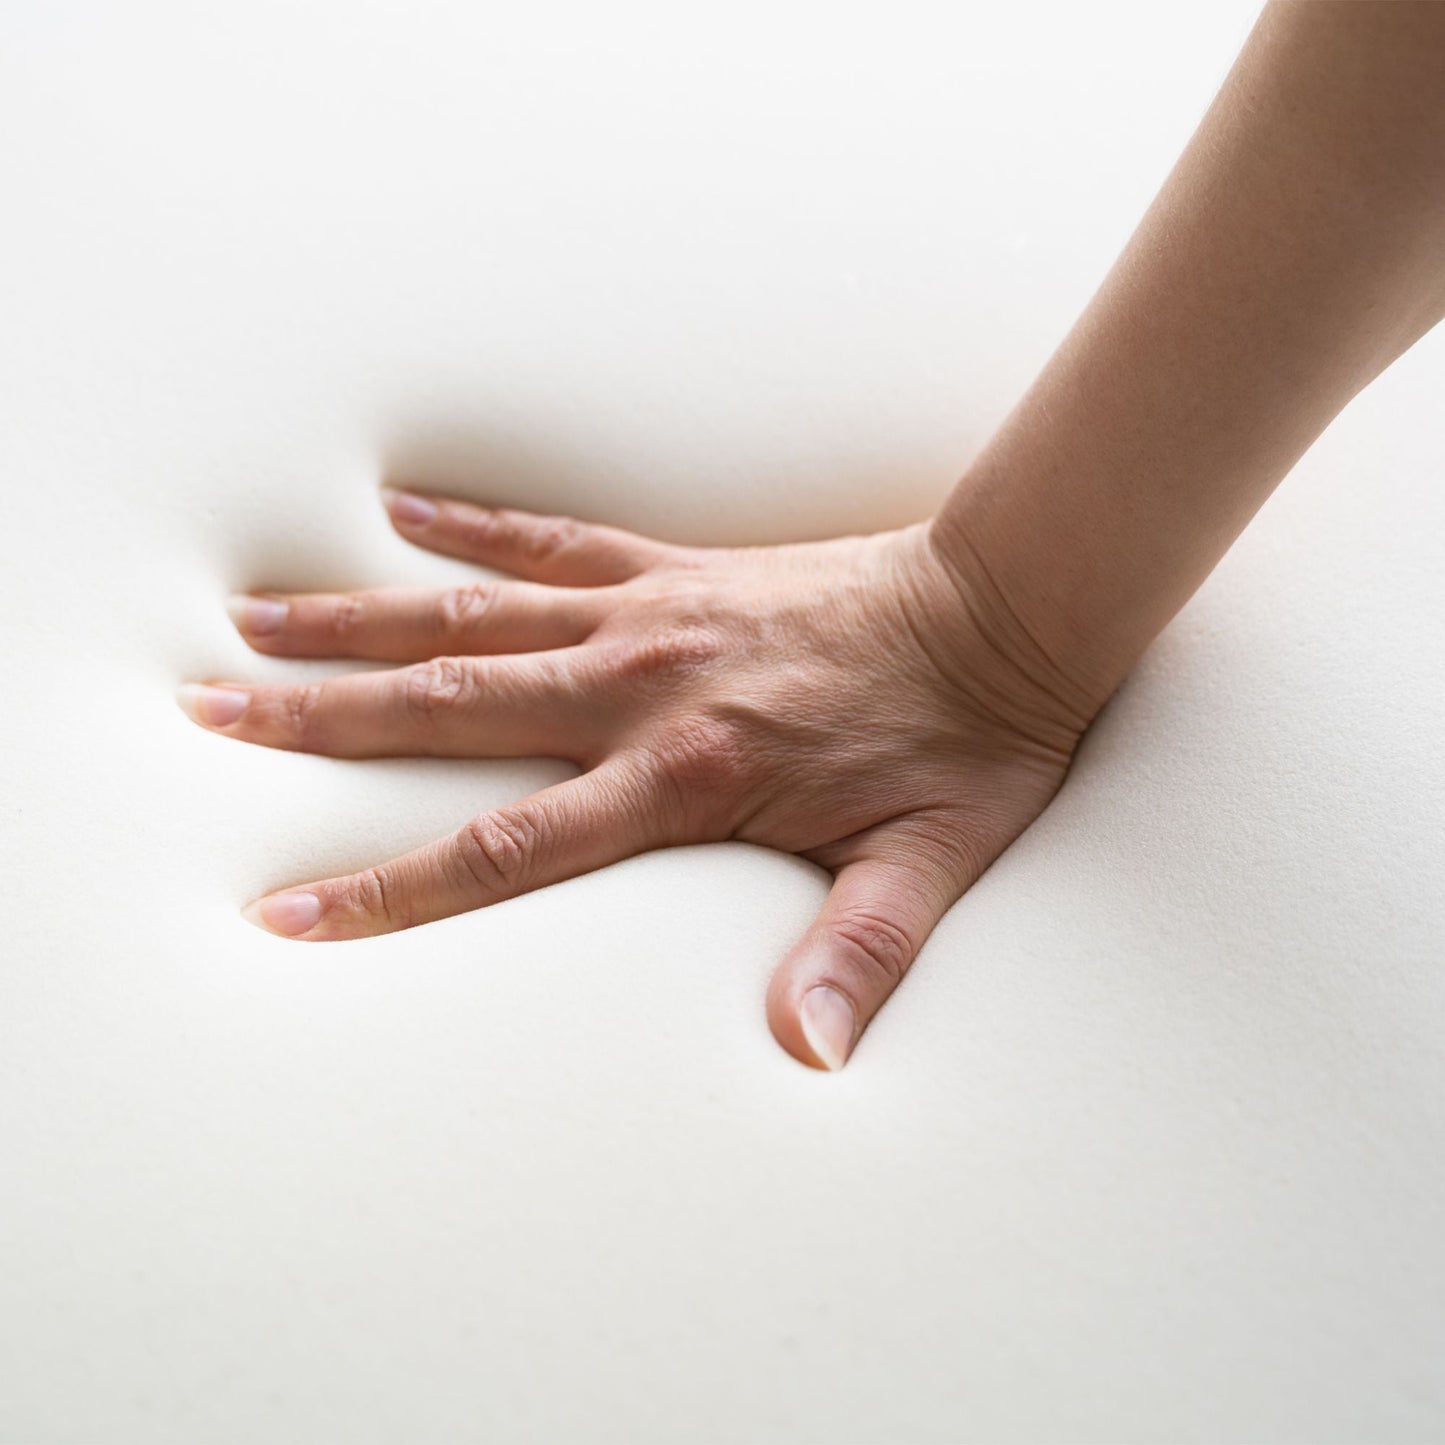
899	708
1296	250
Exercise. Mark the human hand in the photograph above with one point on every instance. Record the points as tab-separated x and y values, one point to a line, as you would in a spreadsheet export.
898	708
860	702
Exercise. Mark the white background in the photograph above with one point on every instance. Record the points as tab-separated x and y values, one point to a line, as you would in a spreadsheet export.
1150	1142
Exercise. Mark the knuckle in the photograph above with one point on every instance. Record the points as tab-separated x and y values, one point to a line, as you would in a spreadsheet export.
676	650
547	537
301	710
462	609
348	616
374	893
874	944
703	755
432	687
497	849
482	527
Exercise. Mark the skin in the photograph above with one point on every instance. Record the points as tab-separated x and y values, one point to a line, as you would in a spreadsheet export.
899	708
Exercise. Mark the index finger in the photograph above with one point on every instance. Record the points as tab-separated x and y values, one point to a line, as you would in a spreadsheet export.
568	829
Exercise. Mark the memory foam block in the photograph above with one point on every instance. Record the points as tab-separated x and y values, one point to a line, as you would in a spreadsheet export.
1148	1145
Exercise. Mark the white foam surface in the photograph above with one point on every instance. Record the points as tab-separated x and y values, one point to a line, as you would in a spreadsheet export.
1149	1144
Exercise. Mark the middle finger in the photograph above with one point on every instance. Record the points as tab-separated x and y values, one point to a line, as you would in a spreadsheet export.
408	624
526	706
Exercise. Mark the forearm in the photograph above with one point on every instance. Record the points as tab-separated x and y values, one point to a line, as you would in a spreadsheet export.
1295	251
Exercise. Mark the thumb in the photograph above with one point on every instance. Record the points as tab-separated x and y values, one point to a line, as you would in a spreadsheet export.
877	916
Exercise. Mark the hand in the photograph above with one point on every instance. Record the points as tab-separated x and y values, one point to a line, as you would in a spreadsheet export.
859	702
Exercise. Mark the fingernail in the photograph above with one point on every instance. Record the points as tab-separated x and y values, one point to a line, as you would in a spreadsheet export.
828	1024
212	707
407	507
284	913
260	616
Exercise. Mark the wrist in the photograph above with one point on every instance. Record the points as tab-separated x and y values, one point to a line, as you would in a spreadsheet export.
1005	579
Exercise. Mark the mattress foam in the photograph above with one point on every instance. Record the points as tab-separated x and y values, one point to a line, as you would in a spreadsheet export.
1147	1144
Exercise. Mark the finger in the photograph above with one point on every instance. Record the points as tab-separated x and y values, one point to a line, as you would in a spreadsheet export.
571	828
877	916
527	544
411	624
528	706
